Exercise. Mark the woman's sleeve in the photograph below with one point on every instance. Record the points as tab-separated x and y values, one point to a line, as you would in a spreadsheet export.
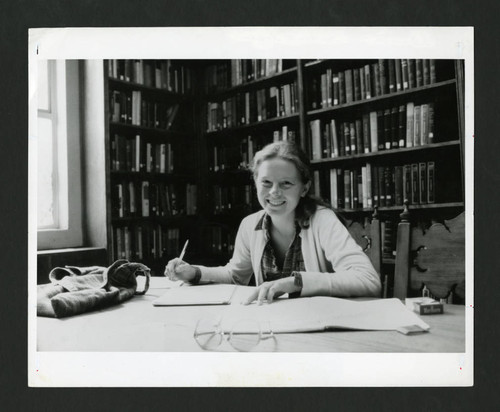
354	273
239	269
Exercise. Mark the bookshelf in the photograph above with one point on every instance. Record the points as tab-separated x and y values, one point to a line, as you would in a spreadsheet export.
151	183
357	119
385	130
246	104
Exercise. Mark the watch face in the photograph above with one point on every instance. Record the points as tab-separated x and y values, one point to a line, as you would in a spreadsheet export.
297	279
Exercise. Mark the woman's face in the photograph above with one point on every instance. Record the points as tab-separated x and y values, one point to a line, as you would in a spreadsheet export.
279	187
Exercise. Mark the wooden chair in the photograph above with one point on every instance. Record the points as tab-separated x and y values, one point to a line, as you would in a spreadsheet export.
434	259
367	235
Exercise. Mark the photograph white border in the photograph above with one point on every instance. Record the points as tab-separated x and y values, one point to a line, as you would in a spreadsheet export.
95	369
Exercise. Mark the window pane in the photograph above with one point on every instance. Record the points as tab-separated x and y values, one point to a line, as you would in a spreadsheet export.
45	174
43	85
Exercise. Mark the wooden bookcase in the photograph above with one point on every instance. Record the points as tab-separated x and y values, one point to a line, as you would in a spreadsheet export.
151	180
425	169
243	109
223	120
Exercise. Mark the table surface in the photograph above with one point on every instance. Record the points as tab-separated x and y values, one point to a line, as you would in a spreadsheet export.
138	326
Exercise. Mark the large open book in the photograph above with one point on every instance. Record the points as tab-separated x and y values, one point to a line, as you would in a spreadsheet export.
324	313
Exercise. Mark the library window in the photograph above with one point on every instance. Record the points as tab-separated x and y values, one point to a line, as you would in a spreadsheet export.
59	213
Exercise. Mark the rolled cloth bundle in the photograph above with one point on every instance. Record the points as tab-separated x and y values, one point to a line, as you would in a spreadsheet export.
73	290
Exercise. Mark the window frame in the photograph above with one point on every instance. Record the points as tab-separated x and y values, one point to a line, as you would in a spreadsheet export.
65	110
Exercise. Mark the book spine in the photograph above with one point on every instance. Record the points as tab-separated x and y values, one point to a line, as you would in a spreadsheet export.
407	187
419	81
426	72
398	185
432	71
333	188
366	133
329	91
375	187
398	75
387	129
324	101
353	138
347	189
341	139
424	124
394	127
431	198
409	124
359	136
411	73
334	139
416	126
363	191
362	85
349	86
380	130
402	126
373	132
347	138
145	198
335	82
392	76
422	170
316	139
368	82
404	74
389	185
376	79
342	90
384	83
368	186
430	123
414	184
381	186
357	85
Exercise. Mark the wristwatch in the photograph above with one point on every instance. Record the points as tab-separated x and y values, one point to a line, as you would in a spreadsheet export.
297	281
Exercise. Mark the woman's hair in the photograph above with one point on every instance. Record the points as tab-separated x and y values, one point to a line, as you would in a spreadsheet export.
294	154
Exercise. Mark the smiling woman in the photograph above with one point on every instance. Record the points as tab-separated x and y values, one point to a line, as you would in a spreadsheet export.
295	244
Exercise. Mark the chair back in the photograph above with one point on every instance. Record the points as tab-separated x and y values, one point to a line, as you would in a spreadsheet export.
434	259
367	235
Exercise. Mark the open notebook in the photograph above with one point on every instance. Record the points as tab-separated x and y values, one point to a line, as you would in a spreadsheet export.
197	295
297	315
325	313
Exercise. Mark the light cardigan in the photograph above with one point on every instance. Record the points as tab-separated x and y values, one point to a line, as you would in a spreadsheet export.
335	264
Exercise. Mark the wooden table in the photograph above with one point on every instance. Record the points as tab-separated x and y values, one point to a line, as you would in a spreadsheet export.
138	326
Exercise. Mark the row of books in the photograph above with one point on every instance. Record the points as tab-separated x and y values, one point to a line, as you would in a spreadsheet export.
161	74
378	186
219	240
143	242
371	80
407	125
252	106
227	199
134	154
223	75
232	157
130	107
144	199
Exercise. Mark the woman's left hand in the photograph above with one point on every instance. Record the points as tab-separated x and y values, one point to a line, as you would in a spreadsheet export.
272	290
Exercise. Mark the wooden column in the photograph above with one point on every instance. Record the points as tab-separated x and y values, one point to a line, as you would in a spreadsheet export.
402	266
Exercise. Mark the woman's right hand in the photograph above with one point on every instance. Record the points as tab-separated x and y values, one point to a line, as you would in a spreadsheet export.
177	269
